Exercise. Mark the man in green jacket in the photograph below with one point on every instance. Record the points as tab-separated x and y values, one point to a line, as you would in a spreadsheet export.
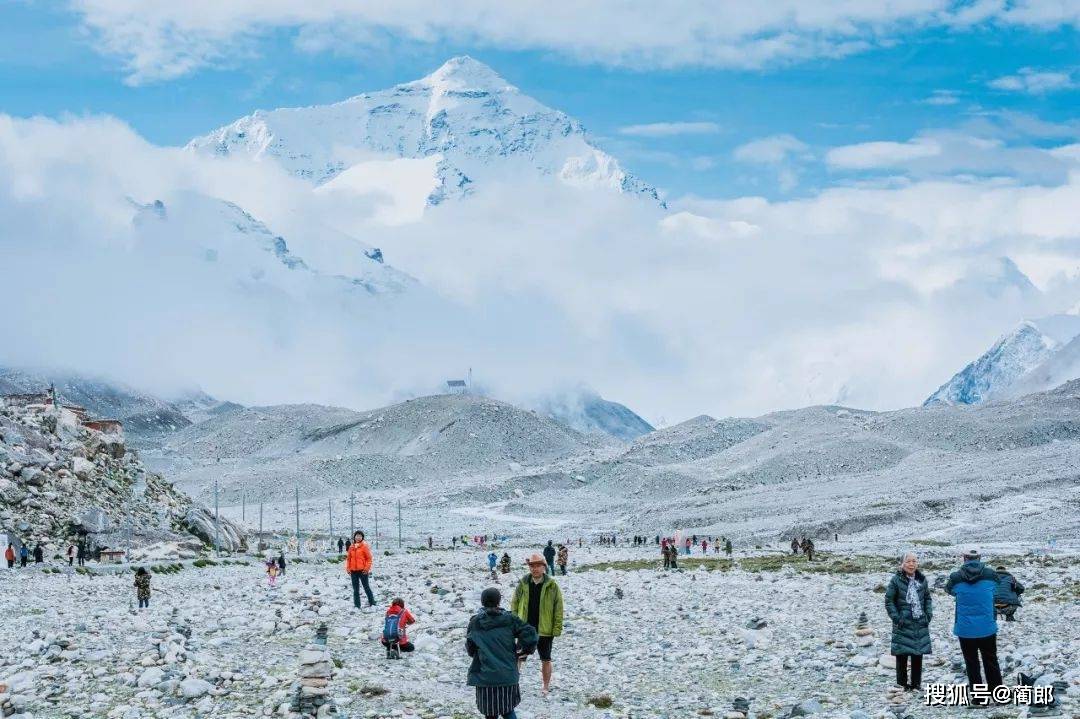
538	601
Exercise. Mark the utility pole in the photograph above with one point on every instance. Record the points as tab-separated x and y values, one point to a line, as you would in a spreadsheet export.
243	504
399	524
258	542
330	506
352	517
217	522
376	528
299	547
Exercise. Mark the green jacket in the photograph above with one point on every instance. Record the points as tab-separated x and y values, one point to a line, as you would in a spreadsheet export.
909	635
551	605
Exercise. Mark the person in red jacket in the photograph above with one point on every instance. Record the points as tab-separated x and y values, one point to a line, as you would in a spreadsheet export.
395	636
358	567
9	555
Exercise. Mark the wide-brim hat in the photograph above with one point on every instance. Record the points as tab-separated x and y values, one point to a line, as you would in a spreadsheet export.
535	559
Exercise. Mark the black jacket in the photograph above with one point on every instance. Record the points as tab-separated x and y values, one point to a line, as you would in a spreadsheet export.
494	640
549	553
1008	590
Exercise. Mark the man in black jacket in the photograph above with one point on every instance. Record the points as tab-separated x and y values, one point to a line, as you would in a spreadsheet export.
1007	594
496	640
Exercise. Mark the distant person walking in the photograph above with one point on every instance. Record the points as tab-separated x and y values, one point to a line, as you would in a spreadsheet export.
142	588
795	545
9	555
563	558
549	555
24	554
281	562
39	554
666	552
1007	594
80	554
673	556
493	560
430	543
340	545
727	547
704	546
497	641
808	547
453	542
71	555
504	563
272	572
973	587
907	602
539	602
358	565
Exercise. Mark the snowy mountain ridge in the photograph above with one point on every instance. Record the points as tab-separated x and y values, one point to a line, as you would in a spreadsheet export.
1012	358
480	125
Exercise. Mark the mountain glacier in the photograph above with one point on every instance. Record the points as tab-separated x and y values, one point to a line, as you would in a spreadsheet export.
474	124
1010	362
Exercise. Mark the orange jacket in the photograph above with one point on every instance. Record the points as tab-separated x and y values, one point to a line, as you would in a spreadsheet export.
9	554
358	558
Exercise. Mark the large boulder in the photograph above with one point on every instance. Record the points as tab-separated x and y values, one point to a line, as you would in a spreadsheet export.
200	522
83	468
94	520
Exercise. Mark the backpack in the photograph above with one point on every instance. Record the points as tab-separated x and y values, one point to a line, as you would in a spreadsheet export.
390	631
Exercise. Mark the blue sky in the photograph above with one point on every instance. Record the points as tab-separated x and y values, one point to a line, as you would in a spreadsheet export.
57	59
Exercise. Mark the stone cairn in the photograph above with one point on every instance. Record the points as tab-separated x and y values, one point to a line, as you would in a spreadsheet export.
864	633
312	697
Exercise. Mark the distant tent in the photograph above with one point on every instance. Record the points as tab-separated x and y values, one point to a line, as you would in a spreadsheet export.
456	386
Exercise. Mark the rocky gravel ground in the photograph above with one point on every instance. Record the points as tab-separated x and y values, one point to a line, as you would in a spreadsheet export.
774	630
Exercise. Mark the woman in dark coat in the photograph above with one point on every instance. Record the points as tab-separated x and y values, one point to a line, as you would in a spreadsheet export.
496	640
907	600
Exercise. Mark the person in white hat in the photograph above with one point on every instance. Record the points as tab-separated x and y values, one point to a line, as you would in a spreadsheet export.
539	602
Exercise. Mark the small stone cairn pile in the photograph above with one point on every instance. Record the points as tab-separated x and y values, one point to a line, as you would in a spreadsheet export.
312	697
864	633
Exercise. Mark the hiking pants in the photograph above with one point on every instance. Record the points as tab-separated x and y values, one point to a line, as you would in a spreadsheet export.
562	569
143	603
359	578
987	648
902	670
551	567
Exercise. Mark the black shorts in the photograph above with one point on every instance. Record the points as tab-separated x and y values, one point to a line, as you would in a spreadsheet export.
543	648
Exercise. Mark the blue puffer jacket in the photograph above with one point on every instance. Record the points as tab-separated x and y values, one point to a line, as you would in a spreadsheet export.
973	586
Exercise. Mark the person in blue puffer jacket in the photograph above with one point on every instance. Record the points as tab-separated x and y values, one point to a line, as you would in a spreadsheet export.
973	587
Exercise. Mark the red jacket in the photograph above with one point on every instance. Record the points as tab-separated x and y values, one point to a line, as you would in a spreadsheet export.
9	554
406	619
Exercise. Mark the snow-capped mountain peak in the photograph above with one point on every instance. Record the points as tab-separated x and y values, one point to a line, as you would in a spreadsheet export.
484	129
463	74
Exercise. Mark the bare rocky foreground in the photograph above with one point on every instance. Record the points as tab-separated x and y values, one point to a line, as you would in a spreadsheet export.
217	642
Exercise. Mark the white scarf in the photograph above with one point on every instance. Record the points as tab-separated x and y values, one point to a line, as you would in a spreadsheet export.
913	597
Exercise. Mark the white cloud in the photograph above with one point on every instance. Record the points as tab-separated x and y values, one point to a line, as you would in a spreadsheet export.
874	155
670	129
771	150
727	307
1035	82
942	97
160	40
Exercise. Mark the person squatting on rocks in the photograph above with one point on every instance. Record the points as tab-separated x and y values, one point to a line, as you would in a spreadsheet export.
497	641
549	555
563	558
1007	594
142	588
9	555
907	601
504	563
539	602
358	566
395	637
973	587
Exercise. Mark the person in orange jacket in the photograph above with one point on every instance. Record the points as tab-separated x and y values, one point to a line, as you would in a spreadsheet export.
358	567
9	555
